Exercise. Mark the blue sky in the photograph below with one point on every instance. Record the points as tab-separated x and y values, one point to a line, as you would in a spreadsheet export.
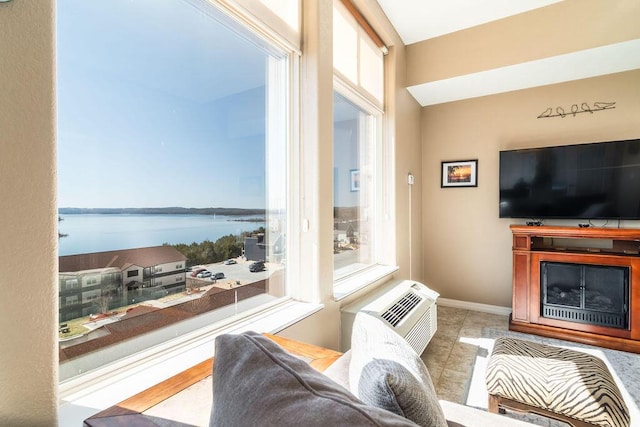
158	105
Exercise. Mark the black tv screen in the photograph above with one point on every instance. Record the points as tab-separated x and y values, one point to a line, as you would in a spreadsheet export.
585	181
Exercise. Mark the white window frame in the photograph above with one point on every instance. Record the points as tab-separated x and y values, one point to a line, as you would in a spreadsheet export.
383	260
384	251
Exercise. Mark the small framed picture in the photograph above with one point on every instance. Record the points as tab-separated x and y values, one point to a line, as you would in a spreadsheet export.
355	179
460	173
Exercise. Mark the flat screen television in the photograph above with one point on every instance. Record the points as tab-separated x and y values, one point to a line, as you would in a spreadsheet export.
585	181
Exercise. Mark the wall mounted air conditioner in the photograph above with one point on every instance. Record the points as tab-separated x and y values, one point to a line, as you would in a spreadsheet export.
407	307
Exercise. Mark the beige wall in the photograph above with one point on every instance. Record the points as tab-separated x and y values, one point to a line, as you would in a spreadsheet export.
467	248
408	201
28	262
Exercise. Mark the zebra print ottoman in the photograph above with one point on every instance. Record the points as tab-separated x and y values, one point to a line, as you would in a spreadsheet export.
558	383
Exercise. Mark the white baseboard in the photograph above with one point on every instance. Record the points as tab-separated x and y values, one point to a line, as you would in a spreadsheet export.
475	306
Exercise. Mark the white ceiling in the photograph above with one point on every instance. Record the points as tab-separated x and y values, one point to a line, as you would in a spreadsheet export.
418	20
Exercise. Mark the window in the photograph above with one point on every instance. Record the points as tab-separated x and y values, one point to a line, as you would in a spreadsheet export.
91	295
355	136
360	175
356	58
167	111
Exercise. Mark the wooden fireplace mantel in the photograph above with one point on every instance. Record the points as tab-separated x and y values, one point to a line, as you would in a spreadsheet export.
597	246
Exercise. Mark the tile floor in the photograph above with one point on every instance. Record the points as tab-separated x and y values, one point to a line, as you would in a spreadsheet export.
449	359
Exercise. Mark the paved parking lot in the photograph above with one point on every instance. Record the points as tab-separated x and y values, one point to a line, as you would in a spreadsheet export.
237	272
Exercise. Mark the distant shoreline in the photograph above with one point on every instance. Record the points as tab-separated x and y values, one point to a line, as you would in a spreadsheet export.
163	211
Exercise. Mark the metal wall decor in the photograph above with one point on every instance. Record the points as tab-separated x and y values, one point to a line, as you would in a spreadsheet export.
575	109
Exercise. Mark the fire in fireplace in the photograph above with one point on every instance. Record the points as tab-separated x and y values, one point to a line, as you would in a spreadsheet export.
585	293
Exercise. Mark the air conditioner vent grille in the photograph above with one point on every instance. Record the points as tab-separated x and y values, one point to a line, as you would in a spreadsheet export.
401	308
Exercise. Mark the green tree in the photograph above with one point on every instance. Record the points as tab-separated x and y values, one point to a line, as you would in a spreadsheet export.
259	230
208	252
228	247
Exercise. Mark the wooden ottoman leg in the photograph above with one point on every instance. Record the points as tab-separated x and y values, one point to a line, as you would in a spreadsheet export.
493	404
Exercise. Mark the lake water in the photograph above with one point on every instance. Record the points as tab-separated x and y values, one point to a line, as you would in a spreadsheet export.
106	232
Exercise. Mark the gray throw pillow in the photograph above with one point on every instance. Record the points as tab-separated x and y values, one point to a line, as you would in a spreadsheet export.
257	383
387	373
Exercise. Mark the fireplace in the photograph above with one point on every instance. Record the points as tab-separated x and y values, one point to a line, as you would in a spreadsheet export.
578	284
584	293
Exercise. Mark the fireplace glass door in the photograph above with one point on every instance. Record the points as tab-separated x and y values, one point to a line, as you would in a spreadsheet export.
585	293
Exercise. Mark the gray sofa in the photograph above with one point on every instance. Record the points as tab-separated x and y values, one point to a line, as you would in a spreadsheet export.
379	382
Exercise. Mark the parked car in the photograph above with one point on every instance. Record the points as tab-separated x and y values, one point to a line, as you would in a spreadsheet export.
230	261
256	266
218	275
204	274
197	271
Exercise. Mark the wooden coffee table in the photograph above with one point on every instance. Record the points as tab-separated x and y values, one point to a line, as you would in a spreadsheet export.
130	412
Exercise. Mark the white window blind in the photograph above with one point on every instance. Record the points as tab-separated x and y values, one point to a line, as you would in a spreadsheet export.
356	57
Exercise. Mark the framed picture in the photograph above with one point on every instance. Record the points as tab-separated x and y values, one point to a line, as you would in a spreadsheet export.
355	179
460	173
